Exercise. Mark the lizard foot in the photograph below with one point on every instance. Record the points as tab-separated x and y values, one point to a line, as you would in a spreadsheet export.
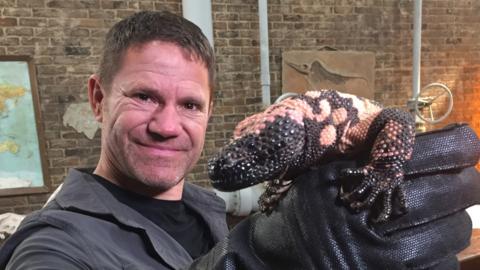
385	184
276	189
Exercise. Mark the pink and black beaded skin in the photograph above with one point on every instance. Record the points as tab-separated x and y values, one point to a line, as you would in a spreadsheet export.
304	131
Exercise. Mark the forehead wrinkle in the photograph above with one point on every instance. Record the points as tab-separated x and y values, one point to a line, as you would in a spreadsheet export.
161	87
164	65
138	49
150	73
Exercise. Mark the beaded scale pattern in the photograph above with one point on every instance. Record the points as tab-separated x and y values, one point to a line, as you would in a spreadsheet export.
306	130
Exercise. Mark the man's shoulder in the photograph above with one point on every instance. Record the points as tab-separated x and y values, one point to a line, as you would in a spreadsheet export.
202	195
74	223
51	219
63	248
85	238
197	188
42	230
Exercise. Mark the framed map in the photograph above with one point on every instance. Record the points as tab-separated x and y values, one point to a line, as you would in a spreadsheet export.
22	150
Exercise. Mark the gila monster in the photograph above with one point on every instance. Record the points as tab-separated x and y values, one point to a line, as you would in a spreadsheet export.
305	130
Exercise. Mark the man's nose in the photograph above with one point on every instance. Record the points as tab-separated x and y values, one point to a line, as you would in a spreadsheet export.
165	122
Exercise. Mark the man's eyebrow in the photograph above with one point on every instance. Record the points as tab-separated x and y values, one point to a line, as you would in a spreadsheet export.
143	88
194	98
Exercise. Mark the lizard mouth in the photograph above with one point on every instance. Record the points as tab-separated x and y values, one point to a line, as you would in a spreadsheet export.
260	156
235	168
244	162
253	159
228	175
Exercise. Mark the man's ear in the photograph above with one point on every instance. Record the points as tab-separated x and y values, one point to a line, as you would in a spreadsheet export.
95	96
210	109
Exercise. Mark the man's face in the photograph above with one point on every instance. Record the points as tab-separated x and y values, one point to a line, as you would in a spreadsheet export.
154	117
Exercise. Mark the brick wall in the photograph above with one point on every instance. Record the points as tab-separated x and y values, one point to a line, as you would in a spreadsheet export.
65	37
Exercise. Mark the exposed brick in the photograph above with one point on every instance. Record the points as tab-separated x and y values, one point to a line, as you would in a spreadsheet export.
9	41
125	13
27	209
21	50
61	144
73	4
37	199
253	100
75	13
43	60
91	4
66	99
227	34
78	152
30	3
7	3
91	23
35	22
51	69
8	22
68	80
5	210
17	12
226	16
98	33
51	135
11	201
47	12
45	32
114	4
101	13
89	143
79	32
19	31
59	22
81	70
146	5
67	162
60	3
34	41
77	50
172	7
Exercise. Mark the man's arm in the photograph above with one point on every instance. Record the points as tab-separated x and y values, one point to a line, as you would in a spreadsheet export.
49	248
9	222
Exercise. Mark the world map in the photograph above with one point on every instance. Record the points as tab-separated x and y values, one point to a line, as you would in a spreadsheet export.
20	162
9	92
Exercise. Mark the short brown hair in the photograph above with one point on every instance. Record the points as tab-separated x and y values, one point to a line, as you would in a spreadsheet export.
146	26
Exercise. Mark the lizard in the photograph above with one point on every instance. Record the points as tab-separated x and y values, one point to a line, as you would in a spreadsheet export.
302	131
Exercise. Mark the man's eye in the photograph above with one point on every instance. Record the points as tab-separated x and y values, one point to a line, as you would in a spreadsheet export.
142	97
191	106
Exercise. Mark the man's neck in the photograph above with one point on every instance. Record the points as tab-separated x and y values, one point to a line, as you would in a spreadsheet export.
127	183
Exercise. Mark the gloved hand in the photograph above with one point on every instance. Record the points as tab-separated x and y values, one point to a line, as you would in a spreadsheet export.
312	229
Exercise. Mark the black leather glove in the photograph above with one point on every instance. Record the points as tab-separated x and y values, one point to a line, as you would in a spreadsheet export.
311	229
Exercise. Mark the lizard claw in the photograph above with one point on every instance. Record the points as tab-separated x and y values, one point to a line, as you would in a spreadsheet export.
381	186
349	172
274	192
350	197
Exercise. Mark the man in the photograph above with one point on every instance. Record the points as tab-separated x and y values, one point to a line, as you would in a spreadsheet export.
153	97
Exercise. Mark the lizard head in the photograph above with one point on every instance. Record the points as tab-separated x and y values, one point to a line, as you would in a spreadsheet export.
258	152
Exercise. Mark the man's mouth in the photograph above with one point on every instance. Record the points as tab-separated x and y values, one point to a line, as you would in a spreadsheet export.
160	149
